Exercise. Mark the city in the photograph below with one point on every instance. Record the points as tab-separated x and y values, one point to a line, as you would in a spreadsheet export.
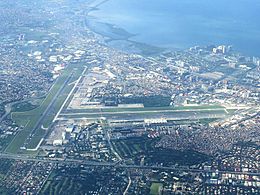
79	116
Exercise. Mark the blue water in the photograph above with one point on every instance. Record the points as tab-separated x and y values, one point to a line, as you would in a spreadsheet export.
185	23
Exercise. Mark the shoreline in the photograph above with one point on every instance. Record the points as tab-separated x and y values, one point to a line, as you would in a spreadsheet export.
126	42
117	37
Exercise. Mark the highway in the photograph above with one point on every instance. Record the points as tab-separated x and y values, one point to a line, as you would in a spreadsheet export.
8	108
128	186
115	164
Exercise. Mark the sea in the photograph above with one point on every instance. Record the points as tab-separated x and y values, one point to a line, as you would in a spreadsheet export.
180	24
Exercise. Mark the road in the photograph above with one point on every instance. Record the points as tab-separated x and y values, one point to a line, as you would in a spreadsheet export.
111	146
116	164
128	186
8	108
107	136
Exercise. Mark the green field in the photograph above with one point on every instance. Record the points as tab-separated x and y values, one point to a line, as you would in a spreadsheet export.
3	191
154	190
125	109
76	180
207	120
133	147
143	114
26	106
29	119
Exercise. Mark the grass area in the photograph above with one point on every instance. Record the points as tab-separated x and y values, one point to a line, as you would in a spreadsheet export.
165	108
1	177
77	180
155	187
138	147
70	98
128	149
147	101
62	186
3	191
69	183
207	120
231	111
133	147
182	114
5	141
49	118
184	121
29	119
57	187
26	106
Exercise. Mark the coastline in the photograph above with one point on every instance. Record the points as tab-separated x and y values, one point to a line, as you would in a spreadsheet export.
123	39
118	37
